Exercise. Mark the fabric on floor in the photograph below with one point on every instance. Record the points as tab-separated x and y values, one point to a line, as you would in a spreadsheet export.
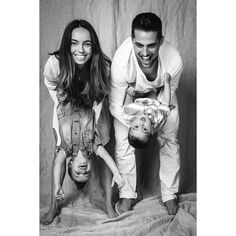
148	217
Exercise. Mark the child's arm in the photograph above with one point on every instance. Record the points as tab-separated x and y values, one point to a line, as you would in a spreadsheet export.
129	98
167	92
58	164
101	151
164	107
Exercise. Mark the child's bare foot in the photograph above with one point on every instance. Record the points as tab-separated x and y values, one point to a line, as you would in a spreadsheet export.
111	212
124	205
172	206
52	213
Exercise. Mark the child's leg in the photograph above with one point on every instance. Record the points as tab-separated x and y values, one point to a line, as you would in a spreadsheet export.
54	209
106	178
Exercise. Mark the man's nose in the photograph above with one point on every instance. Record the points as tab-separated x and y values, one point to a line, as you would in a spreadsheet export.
144	52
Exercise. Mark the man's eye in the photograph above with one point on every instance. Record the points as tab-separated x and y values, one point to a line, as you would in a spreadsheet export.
136	126
152	46
139	45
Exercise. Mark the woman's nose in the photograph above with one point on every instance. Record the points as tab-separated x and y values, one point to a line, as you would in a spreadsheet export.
80	48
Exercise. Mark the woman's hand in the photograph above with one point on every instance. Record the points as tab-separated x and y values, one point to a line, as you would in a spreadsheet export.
97	107
119	181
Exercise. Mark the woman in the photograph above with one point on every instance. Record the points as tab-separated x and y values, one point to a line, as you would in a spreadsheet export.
77	75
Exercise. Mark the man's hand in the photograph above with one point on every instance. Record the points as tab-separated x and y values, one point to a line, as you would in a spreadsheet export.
59	193
119	181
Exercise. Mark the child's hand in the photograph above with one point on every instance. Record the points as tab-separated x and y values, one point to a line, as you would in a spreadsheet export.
166	77
119	181
59	193
130	90
165	110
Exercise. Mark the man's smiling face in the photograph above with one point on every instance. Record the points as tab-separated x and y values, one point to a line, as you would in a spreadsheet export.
146	47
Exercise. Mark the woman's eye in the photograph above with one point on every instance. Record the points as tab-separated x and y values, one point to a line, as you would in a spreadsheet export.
87	44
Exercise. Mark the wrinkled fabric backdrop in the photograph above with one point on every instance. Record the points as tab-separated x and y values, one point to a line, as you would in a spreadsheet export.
112	22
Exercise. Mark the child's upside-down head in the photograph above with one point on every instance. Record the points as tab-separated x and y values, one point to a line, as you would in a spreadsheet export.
140	131
79	168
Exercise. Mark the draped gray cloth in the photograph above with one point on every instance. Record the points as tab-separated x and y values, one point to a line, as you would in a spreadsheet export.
112	22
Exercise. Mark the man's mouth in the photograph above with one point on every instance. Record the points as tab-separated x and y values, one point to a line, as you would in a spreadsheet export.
146	58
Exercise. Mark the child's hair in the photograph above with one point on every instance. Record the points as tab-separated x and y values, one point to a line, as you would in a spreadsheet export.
98	84
136	142
80	185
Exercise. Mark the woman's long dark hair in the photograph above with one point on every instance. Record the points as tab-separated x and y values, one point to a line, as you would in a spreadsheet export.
98	82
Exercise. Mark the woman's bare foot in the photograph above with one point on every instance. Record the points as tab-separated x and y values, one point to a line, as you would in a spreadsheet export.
51	214
172	206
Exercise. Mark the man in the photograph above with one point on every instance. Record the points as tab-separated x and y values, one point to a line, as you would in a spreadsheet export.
141	60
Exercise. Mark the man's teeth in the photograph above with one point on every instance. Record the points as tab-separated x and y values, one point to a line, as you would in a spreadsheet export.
146	58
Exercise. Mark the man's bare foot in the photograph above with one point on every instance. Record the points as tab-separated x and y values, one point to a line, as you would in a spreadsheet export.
125	205
51	214
110	211
172	206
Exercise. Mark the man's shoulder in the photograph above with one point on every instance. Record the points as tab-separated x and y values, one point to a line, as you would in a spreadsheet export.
123	53
168	51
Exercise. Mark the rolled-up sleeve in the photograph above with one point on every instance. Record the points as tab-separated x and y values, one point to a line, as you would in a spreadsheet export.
51	73
175	69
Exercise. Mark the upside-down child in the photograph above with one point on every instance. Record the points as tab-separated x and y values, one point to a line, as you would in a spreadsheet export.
79	141
146	115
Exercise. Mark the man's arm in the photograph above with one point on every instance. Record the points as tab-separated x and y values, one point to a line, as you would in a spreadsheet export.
175	69
118	91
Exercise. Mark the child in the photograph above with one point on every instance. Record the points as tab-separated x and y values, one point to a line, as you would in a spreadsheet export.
80	139
146	115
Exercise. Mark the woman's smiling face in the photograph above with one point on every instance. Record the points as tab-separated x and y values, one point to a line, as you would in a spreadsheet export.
81	46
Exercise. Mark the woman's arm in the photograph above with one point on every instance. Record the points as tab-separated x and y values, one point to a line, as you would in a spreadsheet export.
101	151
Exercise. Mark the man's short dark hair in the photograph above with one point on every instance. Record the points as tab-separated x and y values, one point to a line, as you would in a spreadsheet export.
147	21
136	142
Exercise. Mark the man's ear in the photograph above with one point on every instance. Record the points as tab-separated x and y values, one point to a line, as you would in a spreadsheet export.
161	40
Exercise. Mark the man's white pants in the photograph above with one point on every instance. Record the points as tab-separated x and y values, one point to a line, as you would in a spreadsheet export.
169	157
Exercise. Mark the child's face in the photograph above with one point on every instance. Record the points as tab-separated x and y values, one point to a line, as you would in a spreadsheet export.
80	168
141	127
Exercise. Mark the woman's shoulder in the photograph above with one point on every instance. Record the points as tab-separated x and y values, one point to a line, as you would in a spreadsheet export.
52	66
